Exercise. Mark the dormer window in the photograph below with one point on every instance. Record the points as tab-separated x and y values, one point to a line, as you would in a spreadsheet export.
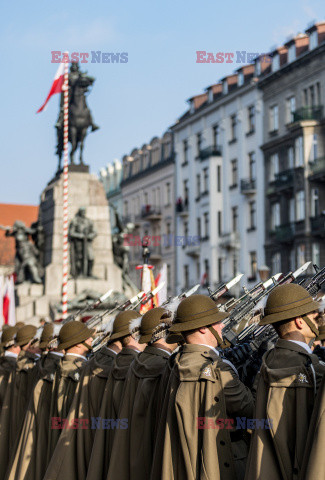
225	87
192	107
240	79
275	62
210	95
258	67
292	53
313	40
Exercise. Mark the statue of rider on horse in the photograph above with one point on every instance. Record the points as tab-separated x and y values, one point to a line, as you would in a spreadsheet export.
79	114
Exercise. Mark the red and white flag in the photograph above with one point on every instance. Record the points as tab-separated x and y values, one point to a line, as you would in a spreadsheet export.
162	279
8	302
56	85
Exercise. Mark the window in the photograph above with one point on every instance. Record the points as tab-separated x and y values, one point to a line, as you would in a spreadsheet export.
290	108
168	194
313	40
315	253
198	185
299	152
275	62
205	179
300	205
233	127
198	269
305	97
314	148
234	215
318	93
276	263
198	223
225	87
252	215
312	95
253	265
218	178
252	165
275	216
290	157
240	79
274	118
207	272
206	224
216	133
219	220
185	231
158	200
185	151
251	119
234	264
292	260
291	210
126	208
186	193
234	173
169	277
274	166
301	255
314	204
292	53
146	198
198	143
219	269
186	277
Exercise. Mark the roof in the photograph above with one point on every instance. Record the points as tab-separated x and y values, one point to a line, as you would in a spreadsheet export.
9	213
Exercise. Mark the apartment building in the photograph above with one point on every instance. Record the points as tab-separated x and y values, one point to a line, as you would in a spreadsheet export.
293	88
148	194
111	177
219	182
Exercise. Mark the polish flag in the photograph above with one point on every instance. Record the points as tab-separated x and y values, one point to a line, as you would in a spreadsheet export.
8	302
162	278
56	85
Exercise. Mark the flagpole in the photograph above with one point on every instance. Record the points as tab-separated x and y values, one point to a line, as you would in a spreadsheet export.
65	191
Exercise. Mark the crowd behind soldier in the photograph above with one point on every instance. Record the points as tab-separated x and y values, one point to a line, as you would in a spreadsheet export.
161	401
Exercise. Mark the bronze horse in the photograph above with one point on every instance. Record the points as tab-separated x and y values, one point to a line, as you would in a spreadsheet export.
79	114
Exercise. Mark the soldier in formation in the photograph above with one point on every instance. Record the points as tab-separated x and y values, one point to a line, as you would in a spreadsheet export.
159	399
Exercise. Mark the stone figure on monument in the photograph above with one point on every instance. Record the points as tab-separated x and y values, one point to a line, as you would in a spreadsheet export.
27	266
81	234
80	117
120	249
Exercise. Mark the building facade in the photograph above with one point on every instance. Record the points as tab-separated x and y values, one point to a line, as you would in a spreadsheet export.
148	197
219	183
111	177
293	88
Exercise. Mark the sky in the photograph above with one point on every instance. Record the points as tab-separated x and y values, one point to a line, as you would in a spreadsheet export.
131	102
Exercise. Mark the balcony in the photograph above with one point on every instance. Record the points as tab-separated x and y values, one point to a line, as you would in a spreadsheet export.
181	207
192	250
317	169
209	152
151	213
282	181
155	253
230	241
248	186
308	113
318	225
285	233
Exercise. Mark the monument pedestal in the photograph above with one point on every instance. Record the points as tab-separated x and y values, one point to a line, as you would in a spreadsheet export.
85	190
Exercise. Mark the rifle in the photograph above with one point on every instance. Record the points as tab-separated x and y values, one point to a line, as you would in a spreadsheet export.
5	228
245	309
181	295
224	287
90	306
92	322
316	282
145	298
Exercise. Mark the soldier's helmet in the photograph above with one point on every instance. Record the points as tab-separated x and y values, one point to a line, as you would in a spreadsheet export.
122	323
25	334
8	337
287	302
47	335
150	321
196	311
73	333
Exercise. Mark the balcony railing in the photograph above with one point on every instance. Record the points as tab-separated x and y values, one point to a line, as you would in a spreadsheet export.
308	113
318	225
230	241
317	167
285	233
151	212
248	186
181	206
209	152
284	179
